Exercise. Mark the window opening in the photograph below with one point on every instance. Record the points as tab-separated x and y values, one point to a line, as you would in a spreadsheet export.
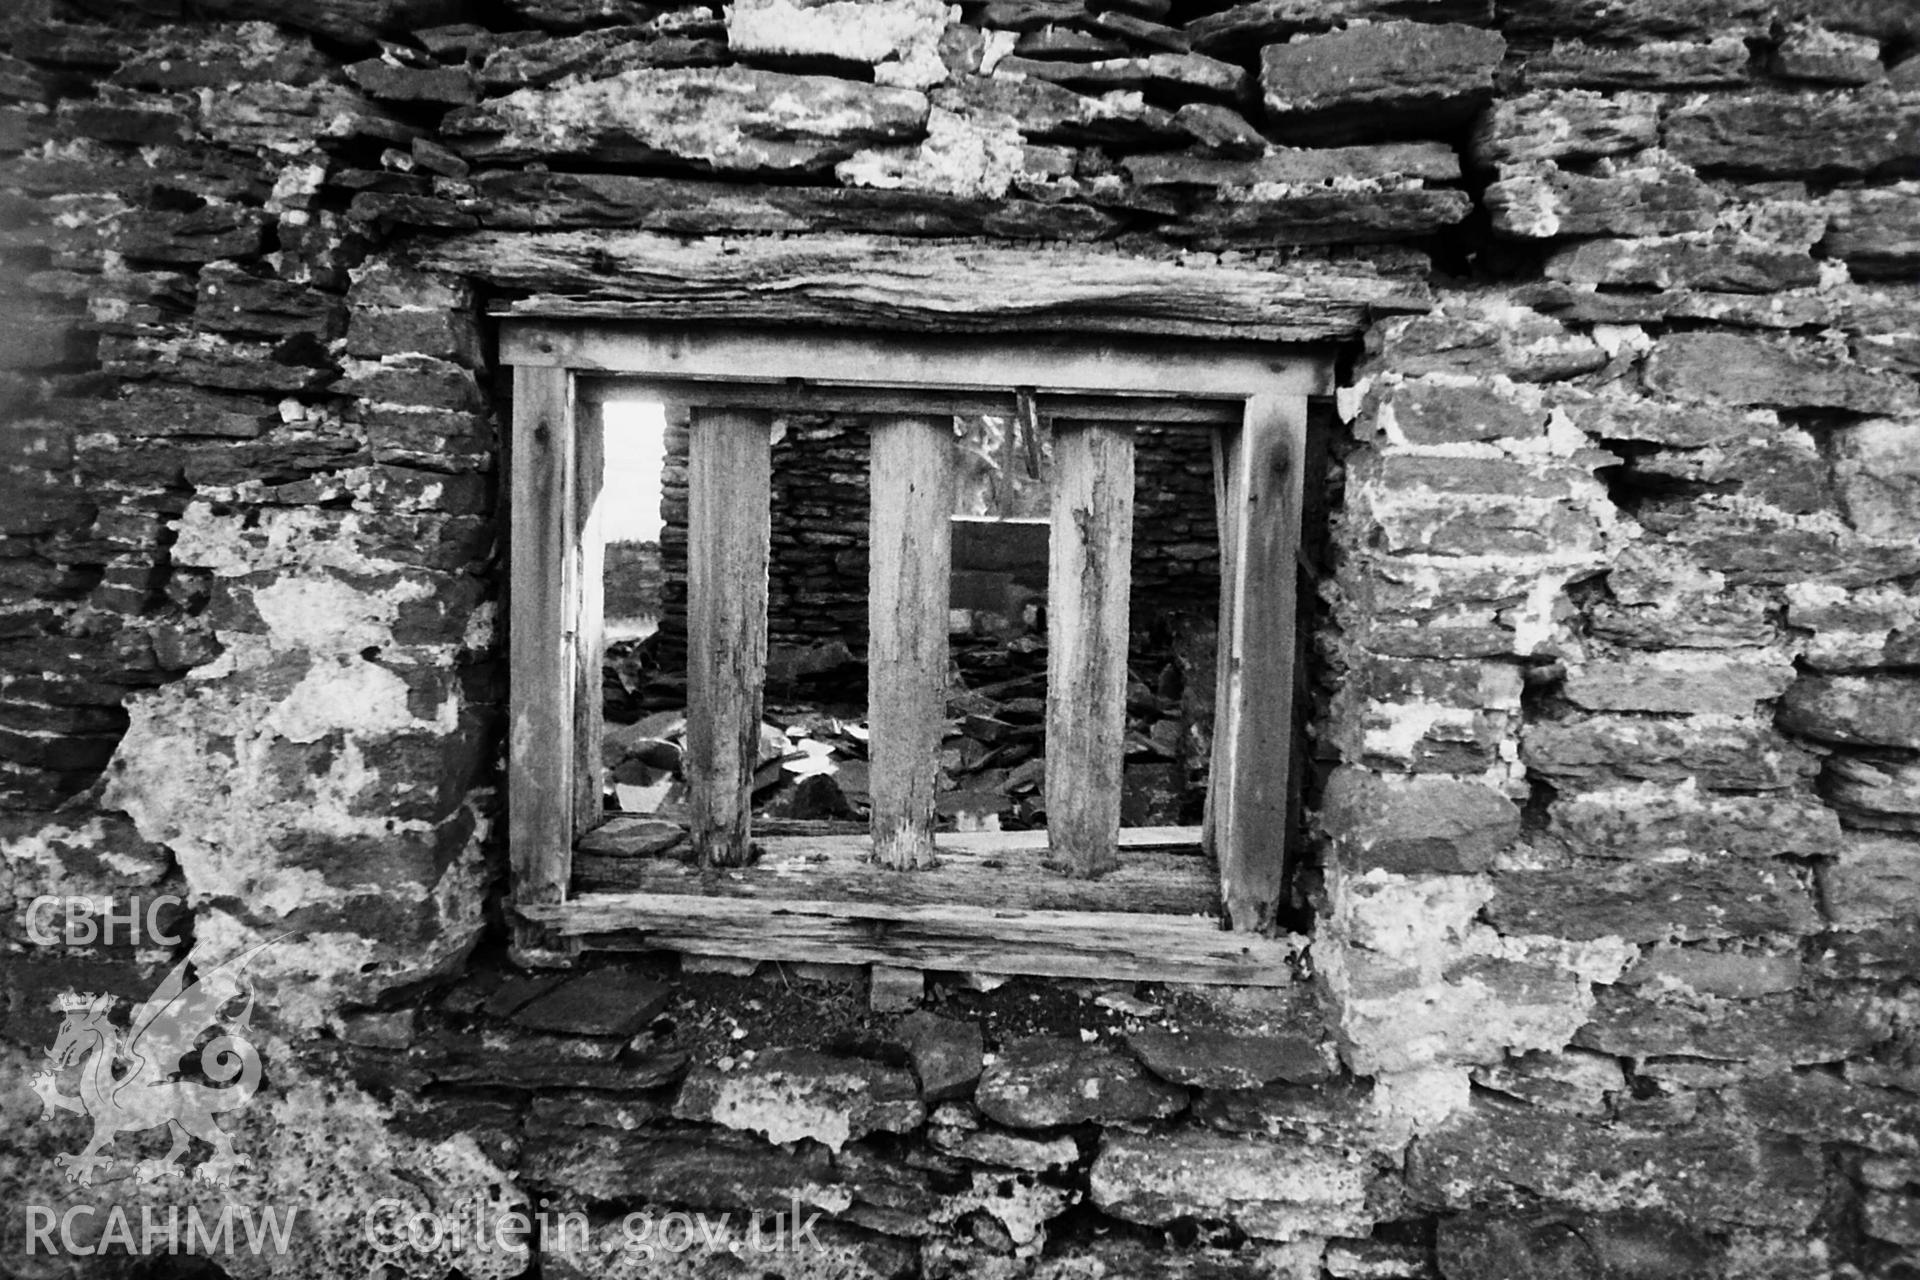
812	772
1087	898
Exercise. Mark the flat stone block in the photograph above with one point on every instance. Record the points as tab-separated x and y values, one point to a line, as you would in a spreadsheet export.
1892	1218
1812	137
1220	131
1734	975
1875	230
1233	31
1649	902
785	1094
1415	824
1495	1153
1563	1246
1743	369
1521	345
1695	683
1875	878
1052	113
1314	216
1772	1030
1541	201
1655	820
700	1170
1877	472
990	1146
1875	710
1045	1081
1186	73
1808	51
946	1054
733	118
1875	791
1654	64
1565	125
891	990
1828	1108
1213	1059
604	1002
1636	21
393	82
1751	542
1729	266
1431	412
1575	1081
898	37
1351	82
1272	1190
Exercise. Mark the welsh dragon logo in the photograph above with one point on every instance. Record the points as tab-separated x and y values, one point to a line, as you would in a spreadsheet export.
132	1081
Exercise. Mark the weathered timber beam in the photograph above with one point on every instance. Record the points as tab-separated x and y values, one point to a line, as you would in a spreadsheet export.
886	401
1047	364
830	838
1068	944
922	286
1329	218
1163	878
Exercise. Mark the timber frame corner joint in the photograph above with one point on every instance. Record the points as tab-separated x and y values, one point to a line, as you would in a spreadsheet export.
1144	904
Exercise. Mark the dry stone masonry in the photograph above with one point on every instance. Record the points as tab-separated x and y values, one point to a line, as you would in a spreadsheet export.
1608	955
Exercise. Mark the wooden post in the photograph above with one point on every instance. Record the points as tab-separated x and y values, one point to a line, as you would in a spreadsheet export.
588	626
1226	502
541	588
910	563
1088	576
1254	721
729	473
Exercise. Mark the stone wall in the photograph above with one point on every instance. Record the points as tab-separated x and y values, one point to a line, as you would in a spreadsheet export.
1612	969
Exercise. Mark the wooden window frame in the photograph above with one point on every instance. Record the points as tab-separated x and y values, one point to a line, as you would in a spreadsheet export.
811	901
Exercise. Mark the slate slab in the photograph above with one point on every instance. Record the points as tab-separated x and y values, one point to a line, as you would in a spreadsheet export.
602	1002
786	1094
1048	1080
1382	74
1217	1059
1272	1190
733	118
946	1054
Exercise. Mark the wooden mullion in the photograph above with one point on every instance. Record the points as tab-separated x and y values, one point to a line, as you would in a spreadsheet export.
910	562
729	476
1226	444
1088	579
542	583
589	622
1255	756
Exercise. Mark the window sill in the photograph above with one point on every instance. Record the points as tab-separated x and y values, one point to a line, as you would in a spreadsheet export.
997	902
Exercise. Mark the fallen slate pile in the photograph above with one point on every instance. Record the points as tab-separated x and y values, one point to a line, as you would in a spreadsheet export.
813	756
